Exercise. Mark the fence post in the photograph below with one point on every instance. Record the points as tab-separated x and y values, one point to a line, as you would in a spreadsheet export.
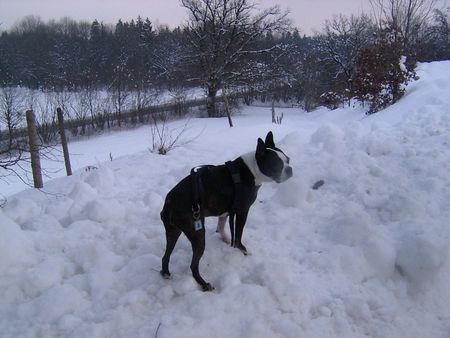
273	112
227	107
62	133
34	149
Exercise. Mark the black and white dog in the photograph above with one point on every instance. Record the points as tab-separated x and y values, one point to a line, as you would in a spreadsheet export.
221	190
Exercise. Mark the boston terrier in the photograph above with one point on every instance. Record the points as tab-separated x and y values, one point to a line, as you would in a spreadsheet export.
223	190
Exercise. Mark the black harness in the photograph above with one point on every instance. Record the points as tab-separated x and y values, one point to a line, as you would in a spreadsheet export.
236	177
197	194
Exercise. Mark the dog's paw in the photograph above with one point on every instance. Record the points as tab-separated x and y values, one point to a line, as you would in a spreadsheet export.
207	287
226	239
223	235
242	248
165	275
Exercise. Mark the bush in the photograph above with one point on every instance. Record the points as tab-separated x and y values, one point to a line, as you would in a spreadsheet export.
383	70
332	99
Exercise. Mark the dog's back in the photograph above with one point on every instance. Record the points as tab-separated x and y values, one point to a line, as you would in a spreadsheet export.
215	200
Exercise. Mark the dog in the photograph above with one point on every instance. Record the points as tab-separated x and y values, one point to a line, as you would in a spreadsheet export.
222	190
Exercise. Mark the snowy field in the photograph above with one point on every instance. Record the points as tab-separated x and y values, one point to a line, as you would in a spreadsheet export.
79	104
367	254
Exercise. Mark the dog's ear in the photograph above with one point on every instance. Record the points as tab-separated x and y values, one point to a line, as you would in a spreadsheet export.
260	148
269	140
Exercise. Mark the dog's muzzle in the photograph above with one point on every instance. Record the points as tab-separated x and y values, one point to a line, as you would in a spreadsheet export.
288	172
285	175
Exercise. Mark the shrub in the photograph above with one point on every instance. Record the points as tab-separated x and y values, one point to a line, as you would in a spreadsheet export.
383	70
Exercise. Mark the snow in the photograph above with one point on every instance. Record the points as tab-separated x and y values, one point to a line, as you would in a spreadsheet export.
76	104
366	254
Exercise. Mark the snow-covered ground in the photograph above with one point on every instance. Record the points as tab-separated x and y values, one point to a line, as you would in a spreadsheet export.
364	255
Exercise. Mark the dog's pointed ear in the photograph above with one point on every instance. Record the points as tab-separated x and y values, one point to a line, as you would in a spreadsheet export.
269	140
260	148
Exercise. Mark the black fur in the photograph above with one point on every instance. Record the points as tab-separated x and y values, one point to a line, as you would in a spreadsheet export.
217	199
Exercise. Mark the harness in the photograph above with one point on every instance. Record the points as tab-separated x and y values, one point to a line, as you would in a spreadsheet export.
197	194
236	177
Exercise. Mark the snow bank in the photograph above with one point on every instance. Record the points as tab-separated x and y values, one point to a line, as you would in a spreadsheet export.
15	247
364	254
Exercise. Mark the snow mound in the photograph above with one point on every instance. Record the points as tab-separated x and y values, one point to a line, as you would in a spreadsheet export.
101	180
16	248
366	253
421	259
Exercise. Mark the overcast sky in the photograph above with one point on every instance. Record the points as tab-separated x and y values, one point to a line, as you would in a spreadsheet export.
307	15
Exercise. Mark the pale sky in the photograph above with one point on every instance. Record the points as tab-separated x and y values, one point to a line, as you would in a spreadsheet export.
307	15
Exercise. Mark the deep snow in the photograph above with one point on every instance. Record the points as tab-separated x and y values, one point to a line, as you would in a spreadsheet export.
364	255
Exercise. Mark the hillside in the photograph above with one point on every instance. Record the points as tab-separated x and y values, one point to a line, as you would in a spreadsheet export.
364	255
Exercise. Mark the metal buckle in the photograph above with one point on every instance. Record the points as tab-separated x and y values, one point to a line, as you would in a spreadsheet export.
198	224
196	212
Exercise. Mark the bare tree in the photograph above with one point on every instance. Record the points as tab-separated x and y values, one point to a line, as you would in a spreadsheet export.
93	103
436	42
167	58
14	146
80	107
344	39
408	17
119	91
11	109
221	34
45	111
28	24
164	139
11	118
142	98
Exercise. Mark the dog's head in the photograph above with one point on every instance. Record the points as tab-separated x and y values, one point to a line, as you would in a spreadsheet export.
272	161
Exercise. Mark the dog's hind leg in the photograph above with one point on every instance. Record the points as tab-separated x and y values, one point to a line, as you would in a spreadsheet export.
197	239
172	235
221	228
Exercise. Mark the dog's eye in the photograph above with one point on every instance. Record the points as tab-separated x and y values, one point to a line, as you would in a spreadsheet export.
288	160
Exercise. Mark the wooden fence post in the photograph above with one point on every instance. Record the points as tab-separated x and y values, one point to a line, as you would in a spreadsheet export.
273	112
62	133
34	149
227	107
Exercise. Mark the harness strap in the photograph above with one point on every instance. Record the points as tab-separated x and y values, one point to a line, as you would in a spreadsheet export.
196	190
236	177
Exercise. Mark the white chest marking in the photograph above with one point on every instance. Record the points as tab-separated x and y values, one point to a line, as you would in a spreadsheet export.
250	161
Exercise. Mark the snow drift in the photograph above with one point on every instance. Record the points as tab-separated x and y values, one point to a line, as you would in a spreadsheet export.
366	254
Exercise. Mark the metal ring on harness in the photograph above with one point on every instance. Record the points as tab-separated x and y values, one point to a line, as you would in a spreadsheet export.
196	211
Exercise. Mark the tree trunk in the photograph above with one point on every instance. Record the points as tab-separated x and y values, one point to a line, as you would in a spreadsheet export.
273	112
227	107
211	102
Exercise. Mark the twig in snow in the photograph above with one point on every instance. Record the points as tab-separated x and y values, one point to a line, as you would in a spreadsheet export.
157	330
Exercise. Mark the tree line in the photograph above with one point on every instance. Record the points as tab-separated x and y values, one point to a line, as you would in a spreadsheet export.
226	43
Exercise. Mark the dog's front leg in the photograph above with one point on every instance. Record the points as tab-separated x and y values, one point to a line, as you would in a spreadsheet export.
241	218
221	228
